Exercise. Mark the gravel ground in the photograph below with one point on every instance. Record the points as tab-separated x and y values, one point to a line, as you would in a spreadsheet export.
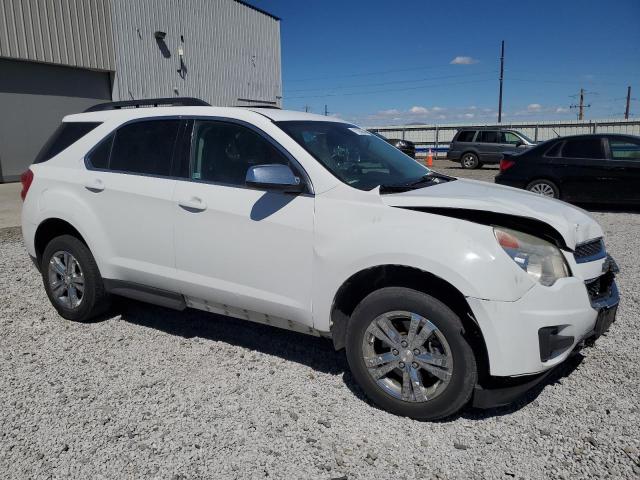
153	393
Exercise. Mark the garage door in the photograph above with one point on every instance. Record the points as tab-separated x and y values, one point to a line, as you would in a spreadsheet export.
33	99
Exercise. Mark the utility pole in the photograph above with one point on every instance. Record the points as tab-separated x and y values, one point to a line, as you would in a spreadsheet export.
626	110
326	112
307	108
501	78
581	106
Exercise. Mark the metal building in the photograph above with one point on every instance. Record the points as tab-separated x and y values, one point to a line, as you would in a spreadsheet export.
61	56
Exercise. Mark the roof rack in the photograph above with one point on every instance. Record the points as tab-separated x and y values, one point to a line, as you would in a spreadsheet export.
272	107
150	102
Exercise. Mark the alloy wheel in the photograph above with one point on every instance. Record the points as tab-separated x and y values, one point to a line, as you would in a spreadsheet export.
66	280
407	356
469	161
543	189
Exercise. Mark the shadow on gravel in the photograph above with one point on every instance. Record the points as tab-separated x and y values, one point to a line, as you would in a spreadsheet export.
563	371
314	352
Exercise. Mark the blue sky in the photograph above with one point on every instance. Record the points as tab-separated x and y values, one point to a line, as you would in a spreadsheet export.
383	62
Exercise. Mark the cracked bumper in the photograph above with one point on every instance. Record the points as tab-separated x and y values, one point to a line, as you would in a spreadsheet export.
511	329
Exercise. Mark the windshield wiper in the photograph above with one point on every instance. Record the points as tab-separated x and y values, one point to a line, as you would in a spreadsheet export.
431	177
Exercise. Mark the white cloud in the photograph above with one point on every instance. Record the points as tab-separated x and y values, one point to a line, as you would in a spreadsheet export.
463	61
419	110
473	107
562	110
469	115
534	107
391	112
437	109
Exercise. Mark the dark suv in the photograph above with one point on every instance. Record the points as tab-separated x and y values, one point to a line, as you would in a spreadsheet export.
473	147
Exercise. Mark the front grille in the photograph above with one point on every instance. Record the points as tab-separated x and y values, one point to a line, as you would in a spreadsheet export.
590	251
600	287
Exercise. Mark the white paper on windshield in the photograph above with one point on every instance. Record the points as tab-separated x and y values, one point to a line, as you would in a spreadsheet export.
359	131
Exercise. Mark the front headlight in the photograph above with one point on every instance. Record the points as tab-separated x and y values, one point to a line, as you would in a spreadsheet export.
542	260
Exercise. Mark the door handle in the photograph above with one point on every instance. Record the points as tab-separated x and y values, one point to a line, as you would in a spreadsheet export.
95	185
194	204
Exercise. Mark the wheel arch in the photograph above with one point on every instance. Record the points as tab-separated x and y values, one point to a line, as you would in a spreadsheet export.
364	282
50	228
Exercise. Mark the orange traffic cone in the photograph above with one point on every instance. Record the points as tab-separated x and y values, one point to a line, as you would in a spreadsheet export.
430	159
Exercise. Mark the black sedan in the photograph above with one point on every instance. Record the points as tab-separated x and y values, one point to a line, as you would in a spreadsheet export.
582	168
405	146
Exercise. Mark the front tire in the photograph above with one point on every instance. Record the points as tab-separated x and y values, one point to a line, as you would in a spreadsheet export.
470	161
407	351
72	279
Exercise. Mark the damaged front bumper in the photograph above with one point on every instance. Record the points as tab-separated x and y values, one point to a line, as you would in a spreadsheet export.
536	334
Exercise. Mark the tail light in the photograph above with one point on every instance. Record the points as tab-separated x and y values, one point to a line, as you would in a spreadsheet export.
506	164
26	178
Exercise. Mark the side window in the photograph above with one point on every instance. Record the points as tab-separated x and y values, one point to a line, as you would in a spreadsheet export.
144	147
554	151
223	152
99	157
66	134
587	147
488	136
624	149
466	136
510	138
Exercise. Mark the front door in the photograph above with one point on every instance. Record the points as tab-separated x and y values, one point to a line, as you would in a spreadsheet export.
624	160
241	251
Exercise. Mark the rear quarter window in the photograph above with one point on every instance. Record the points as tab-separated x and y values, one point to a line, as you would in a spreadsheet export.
466	136
65	135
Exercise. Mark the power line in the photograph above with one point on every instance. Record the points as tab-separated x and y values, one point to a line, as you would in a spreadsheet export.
364	74
395	82
348	94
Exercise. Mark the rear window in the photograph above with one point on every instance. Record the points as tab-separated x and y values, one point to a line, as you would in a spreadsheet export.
488	136
65	135
144	147
466	136
554	151
583	148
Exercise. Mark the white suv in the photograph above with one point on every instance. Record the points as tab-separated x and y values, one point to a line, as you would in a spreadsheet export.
438	287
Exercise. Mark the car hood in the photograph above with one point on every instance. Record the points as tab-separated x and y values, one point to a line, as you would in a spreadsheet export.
574	224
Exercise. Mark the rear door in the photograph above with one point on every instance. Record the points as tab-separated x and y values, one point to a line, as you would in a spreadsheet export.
488	144
624	160
585	172
129	185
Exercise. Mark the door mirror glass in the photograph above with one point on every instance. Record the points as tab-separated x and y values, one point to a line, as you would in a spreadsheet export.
274	177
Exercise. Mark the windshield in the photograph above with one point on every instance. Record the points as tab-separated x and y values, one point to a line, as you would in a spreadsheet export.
527	138
355	156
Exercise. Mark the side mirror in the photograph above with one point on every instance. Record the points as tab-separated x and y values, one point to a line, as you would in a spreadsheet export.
274	177
519	143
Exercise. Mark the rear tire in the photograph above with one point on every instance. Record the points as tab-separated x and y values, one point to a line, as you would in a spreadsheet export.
425	391
72	280
544	187
469	161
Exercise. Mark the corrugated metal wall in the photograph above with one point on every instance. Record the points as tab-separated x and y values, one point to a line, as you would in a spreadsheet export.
66	32
231	51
